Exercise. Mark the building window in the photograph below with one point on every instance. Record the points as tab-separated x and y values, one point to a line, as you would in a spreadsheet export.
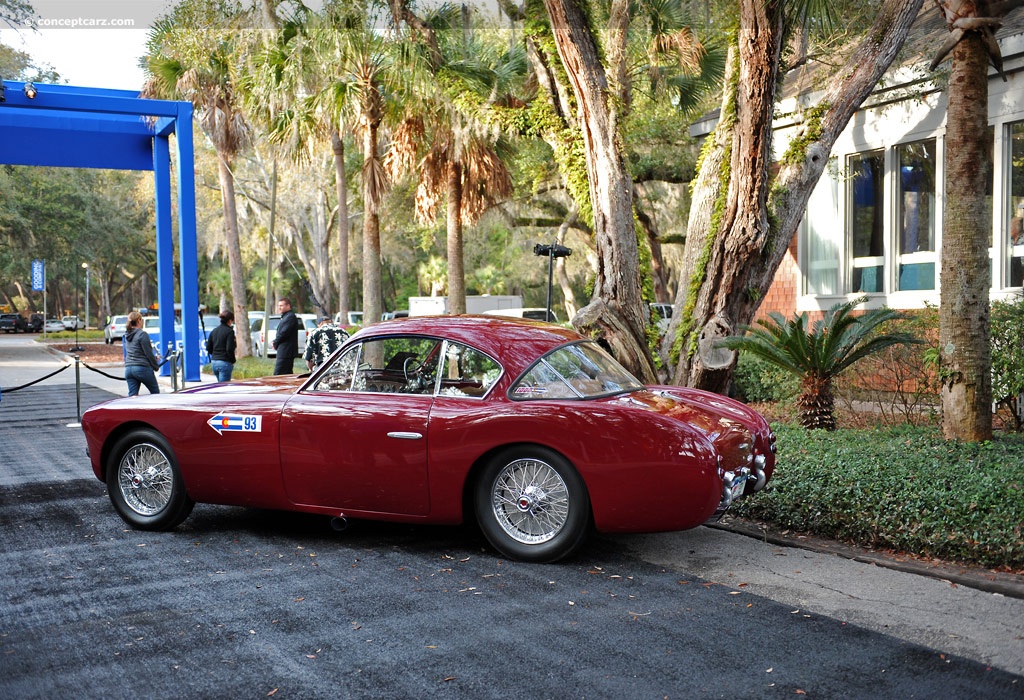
867	229
916	208
1015	205
822	273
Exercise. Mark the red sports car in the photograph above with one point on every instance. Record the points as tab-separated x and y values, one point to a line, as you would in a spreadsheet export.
529	428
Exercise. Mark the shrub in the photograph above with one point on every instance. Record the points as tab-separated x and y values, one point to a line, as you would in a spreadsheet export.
899	383
903	488
1007	321
759	381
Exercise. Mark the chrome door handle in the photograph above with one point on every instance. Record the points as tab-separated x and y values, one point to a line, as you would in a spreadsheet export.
405	436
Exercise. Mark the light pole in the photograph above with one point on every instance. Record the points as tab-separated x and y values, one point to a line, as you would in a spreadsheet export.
78	299
552	251
85	266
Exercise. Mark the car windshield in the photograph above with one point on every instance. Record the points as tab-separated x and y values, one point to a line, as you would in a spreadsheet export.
578	371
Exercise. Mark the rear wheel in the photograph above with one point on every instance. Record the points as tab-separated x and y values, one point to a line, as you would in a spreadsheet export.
145	484
532	505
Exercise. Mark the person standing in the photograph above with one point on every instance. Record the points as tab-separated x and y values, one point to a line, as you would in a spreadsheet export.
322	342
221	347
140	364
286	342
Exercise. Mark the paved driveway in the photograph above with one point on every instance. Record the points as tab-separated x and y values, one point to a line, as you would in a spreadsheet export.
245	603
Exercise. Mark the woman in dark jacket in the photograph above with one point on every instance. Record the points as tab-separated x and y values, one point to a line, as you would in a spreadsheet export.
140	364
221	347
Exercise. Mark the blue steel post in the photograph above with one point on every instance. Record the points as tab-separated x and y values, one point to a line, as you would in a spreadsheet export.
164	244
187	242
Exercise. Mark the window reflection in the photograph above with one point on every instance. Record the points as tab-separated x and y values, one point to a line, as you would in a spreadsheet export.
1015	205
916	202
867	231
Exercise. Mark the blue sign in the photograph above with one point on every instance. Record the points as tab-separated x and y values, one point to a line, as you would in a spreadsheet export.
38	275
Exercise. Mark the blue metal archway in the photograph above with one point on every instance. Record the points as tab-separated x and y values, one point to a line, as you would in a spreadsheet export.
76	127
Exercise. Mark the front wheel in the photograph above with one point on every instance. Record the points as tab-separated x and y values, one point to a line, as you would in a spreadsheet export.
145	484
532	505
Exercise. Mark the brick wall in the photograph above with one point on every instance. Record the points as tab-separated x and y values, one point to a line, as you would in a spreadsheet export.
782	294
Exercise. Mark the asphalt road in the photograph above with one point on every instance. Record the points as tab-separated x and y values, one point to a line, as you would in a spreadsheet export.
253	604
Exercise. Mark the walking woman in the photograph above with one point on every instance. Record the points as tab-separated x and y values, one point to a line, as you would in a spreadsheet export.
221	347
139	363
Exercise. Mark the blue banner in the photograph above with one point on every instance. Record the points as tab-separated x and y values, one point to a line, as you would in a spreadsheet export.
38	275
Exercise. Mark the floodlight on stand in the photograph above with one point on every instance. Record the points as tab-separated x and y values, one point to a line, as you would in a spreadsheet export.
552	251
30	90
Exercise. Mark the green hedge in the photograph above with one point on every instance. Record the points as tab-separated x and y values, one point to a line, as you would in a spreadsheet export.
902	488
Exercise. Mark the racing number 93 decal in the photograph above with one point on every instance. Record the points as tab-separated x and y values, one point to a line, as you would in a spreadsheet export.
236	423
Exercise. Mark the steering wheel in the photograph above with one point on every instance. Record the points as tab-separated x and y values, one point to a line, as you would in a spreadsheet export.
413	376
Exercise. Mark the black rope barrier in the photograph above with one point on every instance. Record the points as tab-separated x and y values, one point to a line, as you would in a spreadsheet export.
98	371
36	381
172	358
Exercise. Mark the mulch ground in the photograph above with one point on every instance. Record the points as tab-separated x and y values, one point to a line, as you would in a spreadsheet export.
93	353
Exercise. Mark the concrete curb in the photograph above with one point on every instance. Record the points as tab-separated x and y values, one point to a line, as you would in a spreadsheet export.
997	582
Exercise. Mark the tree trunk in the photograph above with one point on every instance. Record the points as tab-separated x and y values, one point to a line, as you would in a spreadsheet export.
456	269
372	301
738	233
658	271
241	308
965	353
616	308
568	295
341	185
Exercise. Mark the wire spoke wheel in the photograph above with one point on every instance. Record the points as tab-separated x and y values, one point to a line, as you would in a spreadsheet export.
145	478
530	501
144	482
531	504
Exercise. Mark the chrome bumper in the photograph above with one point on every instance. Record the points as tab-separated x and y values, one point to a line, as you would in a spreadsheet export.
738	483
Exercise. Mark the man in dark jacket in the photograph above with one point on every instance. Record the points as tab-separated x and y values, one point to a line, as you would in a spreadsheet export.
286	342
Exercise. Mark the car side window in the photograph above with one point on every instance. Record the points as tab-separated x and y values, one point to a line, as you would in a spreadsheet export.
393	365
467	372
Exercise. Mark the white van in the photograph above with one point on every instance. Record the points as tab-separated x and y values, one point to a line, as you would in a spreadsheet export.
536	313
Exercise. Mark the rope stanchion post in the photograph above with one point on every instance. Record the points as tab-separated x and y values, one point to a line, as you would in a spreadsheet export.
173	357
78	394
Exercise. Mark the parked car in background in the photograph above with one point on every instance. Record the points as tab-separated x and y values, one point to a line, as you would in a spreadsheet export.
114	329
263	343
151	324
207	322
53	325
661	316
352	318
532	313
72	322
532	431
13	323
400	313
35	323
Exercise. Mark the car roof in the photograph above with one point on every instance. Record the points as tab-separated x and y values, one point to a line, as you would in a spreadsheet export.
515	342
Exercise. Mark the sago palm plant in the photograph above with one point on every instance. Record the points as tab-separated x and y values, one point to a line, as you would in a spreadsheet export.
818	354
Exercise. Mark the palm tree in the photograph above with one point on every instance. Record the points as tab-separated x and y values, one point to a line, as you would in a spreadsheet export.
818	355
462	162
965	275
190	56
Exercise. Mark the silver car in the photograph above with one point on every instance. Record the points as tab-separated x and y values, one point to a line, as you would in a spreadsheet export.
115	329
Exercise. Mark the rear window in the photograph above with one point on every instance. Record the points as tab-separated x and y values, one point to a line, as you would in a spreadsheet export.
577	371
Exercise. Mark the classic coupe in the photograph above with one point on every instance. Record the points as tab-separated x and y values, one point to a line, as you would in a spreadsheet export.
527	428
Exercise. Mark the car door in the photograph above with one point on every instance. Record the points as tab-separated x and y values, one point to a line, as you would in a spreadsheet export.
356	438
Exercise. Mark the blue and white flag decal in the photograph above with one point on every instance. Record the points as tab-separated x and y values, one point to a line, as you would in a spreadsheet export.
235	423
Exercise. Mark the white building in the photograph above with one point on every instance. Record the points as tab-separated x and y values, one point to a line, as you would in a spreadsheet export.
874	222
